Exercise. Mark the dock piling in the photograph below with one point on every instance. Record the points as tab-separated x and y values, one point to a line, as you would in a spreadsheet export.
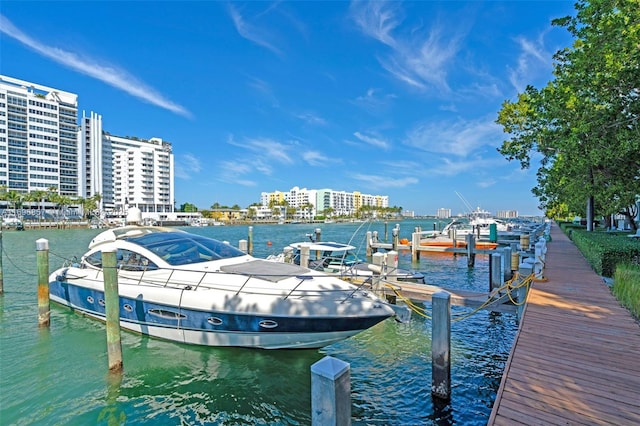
42	259
471	245
441	345
495	271
112	310
330	392
250	240
1	272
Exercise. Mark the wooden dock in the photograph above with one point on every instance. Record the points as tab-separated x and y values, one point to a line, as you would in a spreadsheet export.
576	357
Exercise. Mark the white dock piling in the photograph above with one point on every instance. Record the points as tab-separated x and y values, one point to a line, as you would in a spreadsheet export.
330	392
441	345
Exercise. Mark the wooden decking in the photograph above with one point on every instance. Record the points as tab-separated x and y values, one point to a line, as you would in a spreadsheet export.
576	358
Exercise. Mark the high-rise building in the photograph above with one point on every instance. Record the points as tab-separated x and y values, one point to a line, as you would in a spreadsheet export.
38	138
443	213
126	171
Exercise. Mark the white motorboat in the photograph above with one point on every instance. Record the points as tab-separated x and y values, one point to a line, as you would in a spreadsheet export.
192	289
341	260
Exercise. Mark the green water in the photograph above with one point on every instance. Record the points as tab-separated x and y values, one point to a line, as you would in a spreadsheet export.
58	375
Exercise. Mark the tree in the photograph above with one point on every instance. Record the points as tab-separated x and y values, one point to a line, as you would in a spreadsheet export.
584	122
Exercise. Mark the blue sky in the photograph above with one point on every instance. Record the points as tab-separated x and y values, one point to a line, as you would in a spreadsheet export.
390	98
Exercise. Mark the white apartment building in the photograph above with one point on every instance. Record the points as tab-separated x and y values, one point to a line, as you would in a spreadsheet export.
443	213
43	148
126	172
342	202
38	138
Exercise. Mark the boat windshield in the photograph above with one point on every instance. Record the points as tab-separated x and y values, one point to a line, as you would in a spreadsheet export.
179	248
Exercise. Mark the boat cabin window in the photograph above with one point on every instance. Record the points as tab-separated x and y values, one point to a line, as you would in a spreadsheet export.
126	260
183	249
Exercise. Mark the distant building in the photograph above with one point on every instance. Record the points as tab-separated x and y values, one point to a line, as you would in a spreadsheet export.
310	203
507	214
443	213
38	138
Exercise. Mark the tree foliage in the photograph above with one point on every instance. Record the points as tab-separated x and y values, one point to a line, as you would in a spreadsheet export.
584	124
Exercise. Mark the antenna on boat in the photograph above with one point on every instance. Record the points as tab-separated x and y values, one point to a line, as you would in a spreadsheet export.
464	200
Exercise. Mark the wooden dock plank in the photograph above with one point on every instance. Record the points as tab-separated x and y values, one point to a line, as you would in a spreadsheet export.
576	358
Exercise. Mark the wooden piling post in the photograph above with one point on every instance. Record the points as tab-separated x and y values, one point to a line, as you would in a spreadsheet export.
441	345
471	245
415	246
369	250
42	259
112	310
495	271
386	231
1	271
250	239
392	265
318	235
330	392
243	246
395	232
304	256
507	268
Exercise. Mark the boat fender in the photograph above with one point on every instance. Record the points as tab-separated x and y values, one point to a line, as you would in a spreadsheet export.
375	268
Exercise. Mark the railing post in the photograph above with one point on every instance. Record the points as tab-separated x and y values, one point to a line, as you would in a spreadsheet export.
330	392
441	345
42	259
112	310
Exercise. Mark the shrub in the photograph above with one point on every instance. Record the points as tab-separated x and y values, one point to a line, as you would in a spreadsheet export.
626	287
605	250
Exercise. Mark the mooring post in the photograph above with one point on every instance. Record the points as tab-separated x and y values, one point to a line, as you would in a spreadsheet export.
304	256
112	310
386	231
242	246
42	259
318	235
471	246
330	392
392	265
507	268
415	246
1	273
441	345
369	250
395	232
250	239
495	271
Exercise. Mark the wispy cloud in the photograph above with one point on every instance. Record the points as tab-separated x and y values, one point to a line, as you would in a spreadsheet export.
460	138
186	166
107	73
315	158
311	118
252	33
382	182
533	59
417	60
372	140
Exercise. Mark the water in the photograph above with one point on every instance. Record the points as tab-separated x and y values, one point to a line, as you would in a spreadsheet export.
58	376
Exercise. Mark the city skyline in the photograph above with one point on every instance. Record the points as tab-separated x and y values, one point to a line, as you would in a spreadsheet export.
383	98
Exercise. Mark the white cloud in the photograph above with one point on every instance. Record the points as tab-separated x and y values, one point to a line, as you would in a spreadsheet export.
186	166
316	158
460	138
533	60
382	182
107	73
372	140
250	32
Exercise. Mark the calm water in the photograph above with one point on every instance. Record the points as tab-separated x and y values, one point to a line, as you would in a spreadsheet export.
58	376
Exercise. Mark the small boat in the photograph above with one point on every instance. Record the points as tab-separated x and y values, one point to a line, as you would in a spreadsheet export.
341	259
440	243
191	289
